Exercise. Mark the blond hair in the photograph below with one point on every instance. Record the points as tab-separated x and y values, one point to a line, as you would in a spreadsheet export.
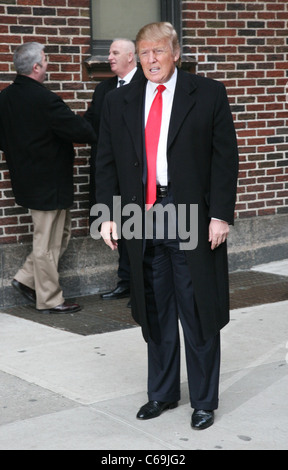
158	32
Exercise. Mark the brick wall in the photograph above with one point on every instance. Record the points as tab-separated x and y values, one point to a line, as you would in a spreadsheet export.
64	26
242	43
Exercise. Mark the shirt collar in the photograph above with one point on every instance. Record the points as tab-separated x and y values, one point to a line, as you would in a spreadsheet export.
129	76
170	85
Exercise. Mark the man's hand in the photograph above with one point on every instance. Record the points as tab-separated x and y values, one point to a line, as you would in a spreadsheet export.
218	233
109	234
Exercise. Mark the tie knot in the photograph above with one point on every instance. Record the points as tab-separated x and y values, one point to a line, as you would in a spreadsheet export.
121	82
161	88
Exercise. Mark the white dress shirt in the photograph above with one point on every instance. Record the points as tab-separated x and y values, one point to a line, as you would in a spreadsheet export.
168	97
128	77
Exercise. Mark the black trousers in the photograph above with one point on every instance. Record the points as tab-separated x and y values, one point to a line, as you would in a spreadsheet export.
123	265
170	297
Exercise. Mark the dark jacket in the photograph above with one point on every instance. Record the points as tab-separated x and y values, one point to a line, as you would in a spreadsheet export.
37	131
94	112
93	115
203	168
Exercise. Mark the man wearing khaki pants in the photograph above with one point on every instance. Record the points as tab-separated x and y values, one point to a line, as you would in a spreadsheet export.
52	232
37	131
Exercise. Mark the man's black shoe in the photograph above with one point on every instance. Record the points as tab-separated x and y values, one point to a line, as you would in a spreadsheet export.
65	308
202	419
153	409
118	293
30	294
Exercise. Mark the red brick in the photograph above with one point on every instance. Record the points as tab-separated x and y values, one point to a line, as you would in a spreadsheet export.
30	2
54	3
248	63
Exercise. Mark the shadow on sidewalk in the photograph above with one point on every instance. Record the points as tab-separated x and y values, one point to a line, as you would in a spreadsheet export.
247	288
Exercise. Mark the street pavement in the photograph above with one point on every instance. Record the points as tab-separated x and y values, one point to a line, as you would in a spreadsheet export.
60	390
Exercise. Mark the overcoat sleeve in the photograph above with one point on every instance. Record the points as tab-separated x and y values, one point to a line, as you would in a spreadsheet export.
106	178
66	124
224	165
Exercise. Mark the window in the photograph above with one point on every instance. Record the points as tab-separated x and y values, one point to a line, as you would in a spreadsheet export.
113	19
123	18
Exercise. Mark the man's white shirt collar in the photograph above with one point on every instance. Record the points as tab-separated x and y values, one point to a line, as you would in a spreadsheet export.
170	85
129	76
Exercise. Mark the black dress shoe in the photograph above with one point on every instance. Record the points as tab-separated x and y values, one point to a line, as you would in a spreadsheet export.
153	409
202	419
118	293
29	293
65	308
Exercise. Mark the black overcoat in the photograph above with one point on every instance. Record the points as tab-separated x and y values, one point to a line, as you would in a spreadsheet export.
203	168
37	131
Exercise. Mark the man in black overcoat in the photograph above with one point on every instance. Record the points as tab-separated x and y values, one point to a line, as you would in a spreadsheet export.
196	167
37	131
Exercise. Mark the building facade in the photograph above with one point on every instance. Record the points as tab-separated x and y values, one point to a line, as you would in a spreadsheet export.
244	44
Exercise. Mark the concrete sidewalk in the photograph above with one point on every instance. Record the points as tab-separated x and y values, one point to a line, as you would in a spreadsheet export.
63	391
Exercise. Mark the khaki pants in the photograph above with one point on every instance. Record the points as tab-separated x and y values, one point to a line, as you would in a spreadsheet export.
52	232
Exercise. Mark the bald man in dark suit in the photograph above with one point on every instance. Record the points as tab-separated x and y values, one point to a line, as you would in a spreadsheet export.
123	62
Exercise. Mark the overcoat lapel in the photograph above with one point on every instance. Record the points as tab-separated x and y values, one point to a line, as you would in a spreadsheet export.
184	101
133	115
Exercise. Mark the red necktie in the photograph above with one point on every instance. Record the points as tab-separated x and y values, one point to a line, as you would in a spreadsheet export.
152	134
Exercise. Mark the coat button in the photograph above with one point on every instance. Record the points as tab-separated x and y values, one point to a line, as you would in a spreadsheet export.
134	198
136	164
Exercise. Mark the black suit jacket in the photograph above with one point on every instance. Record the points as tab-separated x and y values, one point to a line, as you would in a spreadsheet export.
37	131
203	168
93	115
94	112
